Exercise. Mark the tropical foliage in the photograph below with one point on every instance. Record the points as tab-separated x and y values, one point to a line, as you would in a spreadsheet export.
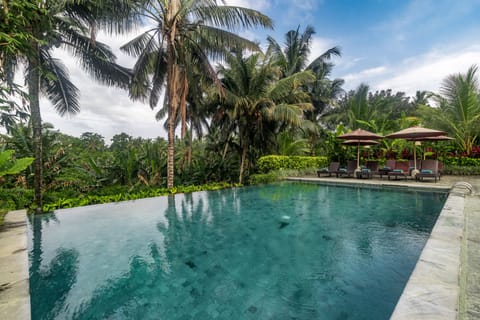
232	103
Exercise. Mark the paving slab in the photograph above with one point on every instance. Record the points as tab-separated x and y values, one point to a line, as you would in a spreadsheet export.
14	277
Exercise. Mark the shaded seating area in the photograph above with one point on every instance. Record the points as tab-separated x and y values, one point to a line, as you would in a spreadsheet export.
348	171
389	166
430	169
401	170
333	168
367	172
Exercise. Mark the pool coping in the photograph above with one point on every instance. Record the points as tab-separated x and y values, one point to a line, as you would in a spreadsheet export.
433	289
14	275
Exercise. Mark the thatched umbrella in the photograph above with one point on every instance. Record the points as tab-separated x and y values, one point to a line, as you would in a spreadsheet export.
415	134
437	138
360	137
359	143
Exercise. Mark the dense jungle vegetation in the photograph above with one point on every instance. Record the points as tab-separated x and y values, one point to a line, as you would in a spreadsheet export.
229	113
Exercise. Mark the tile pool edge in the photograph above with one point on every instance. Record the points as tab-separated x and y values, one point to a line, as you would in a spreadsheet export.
14	275
433	289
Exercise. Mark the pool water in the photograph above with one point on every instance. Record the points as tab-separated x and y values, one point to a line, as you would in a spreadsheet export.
283	251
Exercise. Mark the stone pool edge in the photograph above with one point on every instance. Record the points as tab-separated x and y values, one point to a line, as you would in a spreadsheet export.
14	275
433	289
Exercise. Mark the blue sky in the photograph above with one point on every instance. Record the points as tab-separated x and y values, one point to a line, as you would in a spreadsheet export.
387	44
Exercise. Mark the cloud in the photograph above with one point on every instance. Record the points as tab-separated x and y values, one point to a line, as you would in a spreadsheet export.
421	72
259	5
352	80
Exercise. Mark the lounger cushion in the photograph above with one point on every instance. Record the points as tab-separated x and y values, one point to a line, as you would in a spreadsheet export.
324	170
386	168
365	170
342	170
426	171
398	170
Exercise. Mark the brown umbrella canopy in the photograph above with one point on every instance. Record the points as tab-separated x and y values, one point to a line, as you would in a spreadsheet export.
360	134
437	138
415	133
358	143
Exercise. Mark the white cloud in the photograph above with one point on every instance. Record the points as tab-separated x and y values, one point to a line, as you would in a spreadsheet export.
319	46
422	72
354	79
259	5
426	72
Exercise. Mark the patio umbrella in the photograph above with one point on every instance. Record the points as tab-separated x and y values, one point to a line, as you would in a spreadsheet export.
358	143
360	137
437	138
417	133
360	134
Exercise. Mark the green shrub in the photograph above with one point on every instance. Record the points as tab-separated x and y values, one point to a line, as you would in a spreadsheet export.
462	170
89	199
461	161
3	212
273	162
16	198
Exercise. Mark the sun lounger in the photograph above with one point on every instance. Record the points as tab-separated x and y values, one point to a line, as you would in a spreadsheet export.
429	170
389	166
401	170
348	171
367	172
332	169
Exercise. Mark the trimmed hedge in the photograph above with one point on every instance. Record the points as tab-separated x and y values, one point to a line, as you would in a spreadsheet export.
462	170
461	161
273	162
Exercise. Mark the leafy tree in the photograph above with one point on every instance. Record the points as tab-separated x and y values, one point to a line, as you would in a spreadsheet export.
9	165
184	33
255	102
70	25
459	108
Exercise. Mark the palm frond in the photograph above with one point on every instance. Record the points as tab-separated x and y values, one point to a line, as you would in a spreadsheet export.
56	85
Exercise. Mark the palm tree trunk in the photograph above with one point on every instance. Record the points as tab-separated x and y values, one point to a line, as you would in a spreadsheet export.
172	81
243	163
36	119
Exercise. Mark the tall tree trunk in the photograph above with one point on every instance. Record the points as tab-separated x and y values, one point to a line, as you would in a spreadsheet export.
172	91
183	102
36	120
243	163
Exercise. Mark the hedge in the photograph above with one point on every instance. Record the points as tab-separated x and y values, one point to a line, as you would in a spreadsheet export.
461	161
273	162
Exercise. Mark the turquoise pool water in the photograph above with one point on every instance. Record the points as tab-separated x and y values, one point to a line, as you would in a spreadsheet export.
286	251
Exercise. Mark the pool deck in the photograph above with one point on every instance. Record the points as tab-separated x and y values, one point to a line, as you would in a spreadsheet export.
14	278
445	283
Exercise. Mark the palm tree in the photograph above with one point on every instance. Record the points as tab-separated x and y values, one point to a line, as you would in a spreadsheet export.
459	107
255	100
70	25
294	57
182	33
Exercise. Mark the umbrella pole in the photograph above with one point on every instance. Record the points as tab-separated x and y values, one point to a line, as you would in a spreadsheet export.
414	171
358	156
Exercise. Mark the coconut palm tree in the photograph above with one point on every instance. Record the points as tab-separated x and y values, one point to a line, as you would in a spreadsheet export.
459	107
182	33
70	25
255	101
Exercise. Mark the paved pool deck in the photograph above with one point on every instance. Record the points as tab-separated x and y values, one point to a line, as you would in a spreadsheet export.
444	285
14	278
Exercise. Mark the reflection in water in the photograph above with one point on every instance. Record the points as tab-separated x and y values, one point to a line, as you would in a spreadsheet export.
276	252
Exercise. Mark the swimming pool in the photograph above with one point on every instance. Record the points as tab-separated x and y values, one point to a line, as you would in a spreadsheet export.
284	251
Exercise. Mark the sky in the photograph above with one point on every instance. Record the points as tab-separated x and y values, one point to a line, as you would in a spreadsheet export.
405	46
